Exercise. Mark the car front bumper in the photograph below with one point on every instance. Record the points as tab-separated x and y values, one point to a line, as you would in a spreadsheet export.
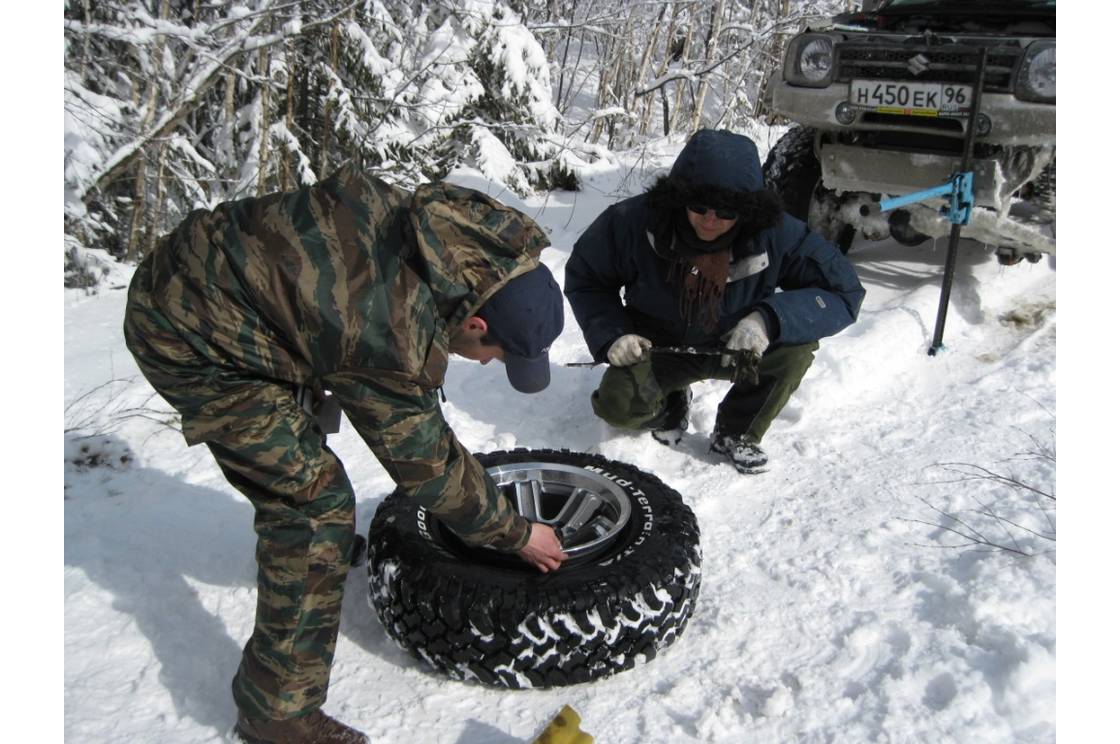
1014	122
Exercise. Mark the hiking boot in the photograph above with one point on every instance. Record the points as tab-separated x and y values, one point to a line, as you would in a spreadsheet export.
314	728
671	425
745	455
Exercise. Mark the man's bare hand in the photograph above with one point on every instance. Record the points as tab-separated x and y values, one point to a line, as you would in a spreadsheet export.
543	549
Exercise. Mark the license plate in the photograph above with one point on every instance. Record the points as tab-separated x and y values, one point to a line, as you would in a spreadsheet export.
914	99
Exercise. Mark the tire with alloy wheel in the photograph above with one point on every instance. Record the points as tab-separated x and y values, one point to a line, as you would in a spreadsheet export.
626	591
793	171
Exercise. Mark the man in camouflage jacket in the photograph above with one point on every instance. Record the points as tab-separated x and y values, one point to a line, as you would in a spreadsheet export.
363	289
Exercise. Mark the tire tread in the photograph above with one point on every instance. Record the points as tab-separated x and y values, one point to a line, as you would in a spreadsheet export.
537	635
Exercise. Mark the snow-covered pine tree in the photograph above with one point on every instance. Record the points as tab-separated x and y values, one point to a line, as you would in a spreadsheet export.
513	127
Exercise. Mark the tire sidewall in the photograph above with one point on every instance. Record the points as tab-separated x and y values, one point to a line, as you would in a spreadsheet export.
793	171
652	536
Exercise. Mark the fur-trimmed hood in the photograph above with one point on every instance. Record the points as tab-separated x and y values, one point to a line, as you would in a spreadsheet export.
719	169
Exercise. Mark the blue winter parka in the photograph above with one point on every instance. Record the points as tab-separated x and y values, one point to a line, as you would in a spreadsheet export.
803	285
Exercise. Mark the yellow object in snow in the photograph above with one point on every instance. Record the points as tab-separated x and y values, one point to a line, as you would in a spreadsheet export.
564	729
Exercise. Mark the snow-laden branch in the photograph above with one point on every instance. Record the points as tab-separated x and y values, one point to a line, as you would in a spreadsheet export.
690	75
245	41
139	34
144	27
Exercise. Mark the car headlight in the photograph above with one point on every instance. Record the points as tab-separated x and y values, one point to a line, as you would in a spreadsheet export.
809	60
1037	79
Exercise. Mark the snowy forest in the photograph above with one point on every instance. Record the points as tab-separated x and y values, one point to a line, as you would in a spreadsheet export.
175	105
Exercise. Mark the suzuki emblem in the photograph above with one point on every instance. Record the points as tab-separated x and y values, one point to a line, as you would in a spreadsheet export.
918	64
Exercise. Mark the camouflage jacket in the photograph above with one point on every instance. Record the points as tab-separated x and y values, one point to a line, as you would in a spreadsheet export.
353	285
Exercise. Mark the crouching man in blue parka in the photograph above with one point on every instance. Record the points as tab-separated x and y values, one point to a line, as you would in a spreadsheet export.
706	259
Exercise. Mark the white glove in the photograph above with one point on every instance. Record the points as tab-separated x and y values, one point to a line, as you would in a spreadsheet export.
749	334
628	349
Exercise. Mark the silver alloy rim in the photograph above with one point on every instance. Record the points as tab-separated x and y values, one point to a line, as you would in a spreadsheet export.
588	510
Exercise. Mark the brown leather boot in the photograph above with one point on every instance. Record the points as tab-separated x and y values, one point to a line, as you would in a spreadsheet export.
314	728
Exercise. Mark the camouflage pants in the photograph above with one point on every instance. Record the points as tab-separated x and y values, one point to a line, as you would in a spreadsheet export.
634	397
271	451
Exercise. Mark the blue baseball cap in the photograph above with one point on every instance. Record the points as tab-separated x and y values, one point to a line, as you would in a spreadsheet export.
525	317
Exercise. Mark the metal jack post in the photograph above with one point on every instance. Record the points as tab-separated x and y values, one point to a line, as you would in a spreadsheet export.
955	231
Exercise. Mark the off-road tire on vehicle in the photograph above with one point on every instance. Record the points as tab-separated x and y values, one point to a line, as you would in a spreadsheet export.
479	614
794	173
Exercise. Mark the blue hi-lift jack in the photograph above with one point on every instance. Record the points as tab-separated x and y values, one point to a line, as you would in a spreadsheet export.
958	210
958	192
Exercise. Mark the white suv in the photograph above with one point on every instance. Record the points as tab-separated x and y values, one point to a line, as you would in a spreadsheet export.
882	99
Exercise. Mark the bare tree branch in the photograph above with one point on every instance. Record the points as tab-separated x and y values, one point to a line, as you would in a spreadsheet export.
970	539
707	69
985	474
1003	517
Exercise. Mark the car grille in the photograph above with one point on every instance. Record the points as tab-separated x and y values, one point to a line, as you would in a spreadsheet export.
949	64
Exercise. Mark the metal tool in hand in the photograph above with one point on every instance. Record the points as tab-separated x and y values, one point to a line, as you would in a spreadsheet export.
746	361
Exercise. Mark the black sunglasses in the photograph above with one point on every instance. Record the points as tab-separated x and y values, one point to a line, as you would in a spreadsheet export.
723	214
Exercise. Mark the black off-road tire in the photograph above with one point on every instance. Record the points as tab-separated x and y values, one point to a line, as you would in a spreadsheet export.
501	622
793	171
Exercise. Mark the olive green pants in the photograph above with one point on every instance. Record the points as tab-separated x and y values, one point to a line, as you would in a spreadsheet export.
274	453
634	397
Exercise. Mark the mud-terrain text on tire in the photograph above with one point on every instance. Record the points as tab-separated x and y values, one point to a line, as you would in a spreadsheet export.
627	591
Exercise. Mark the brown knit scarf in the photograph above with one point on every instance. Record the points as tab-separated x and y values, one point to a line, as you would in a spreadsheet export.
703	277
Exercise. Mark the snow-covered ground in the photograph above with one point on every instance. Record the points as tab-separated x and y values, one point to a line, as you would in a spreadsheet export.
833	608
